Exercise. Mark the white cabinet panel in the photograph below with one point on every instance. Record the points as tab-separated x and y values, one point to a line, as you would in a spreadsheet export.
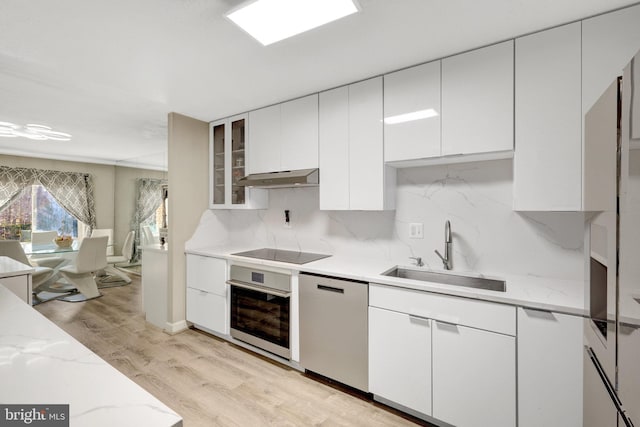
284	136
366	171
549	369
334	149
207	310
19	285
264	134
207	274
477	101
353	175
155	287
474	377
609	42
548	117
407	91
400	359
299	143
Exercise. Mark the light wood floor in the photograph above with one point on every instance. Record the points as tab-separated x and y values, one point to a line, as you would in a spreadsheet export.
206	380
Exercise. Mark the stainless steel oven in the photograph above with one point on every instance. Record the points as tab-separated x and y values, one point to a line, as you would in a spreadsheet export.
260	309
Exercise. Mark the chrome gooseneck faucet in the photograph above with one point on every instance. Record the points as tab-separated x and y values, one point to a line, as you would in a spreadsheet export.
446	259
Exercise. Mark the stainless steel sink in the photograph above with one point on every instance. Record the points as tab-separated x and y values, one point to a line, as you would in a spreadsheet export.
448	279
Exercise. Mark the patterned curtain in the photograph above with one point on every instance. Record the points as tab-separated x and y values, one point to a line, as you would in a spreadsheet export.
72	190
13	181
148	199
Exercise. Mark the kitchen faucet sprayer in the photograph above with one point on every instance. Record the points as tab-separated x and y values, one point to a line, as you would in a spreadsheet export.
446	259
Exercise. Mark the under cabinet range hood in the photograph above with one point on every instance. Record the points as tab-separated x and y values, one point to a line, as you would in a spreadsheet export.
282	179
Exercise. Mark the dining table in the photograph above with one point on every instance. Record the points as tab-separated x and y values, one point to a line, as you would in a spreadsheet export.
49	249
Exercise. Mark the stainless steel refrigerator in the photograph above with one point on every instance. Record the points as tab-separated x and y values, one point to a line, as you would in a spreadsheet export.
612	331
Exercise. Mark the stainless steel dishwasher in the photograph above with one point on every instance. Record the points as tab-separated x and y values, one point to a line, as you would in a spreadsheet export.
334	328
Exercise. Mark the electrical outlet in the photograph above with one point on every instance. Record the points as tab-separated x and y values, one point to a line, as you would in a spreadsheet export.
416	230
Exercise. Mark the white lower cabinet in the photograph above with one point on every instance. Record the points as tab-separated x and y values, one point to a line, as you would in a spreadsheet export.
443	358
207	293
207	310
400	359
550	373
474	376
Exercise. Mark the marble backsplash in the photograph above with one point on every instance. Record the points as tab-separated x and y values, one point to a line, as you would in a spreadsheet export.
488	236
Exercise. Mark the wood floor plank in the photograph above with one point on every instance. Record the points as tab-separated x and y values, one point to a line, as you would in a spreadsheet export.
209	381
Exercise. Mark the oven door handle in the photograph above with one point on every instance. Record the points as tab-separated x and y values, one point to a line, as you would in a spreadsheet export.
257	288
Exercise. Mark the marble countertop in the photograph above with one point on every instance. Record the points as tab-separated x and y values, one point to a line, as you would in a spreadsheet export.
10	267
42	364
558	295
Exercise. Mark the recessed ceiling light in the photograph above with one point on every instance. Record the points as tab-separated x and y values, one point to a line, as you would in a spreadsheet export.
32	131
269	21
409	117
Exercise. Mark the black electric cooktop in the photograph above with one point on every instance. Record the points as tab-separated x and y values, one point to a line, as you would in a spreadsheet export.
280	255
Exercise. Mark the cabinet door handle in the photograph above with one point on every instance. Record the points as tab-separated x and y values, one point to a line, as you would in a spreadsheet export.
421	317
330	289
448	320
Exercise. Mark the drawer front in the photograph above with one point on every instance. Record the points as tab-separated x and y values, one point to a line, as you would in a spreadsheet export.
207	274
207	310
485	315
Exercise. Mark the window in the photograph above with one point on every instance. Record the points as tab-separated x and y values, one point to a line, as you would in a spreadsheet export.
35	209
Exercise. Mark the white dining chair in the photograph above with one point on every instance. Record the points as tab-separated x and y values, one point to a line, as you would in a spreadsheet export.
91	258
43	238
13	249
112	270
96	232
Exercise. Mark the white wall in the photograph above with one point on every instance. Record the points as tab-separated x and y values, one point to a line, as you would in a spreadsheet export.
488	236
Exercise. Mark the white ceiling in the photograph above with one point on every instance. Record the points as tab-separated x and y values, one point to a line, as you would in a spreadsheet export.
109	72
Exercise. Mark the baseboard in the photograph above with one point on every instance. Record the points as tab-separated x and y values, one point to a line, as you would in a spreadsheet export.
176	327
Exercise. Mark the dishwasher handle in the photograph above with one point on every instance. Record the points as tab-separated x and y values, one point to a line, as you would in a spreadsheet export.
330	289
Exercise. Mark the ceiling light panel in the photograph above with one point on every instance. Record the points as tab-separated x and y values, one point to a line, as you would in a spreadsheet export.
269	21
32	131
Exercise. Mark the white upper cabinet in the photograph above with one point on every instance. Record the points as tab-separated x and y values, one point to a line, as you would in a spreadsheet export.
352	171
609	42
477	101
285	136
264	129
415	89
299	144
334	149
548	117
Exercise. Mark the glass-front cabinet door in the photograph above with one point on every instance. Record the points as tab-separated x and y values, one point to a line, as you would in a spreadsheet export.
227	162
237	160
218	164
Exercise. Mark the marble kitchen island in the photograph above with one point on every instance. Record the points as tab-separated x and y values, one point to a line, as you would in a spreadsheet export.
41	364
